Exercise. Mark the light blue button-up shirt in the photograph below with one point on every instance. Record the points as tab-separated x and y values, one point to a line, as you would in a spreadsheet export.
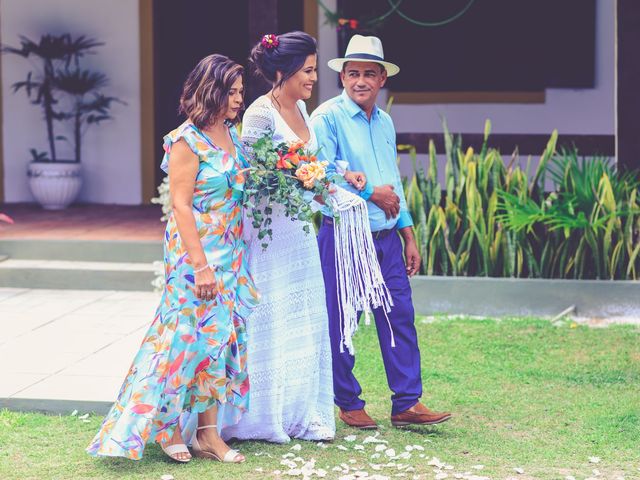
345	133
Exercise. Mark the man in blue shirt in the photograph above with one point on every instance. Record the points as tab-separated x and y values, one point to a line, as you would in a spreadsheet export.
351	128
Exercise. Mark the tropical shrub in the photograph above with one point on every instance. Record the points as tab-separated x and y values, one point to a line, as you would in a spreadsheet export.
493	217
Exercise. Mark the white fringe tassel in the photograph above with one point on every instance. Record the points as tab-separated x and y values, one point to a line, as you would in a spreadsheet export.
361	286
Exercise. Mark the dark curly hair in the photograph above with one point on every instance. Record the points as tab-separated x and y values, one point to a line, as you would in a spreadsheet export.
205	94
287	58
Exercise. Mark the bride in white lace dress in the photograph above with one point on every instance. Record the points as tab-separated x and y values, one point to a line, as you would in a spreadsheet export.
289	354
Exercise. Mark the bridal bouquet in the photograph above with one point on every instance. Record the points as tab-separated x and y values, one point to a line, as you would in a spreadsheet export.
285	174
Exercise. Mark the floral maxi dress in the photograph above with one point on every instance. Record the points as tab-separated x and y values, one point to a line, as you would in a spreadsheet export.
194	354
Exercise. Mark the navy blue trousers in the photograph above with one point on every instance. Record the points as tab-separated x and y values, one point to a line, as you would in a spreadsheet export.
402	362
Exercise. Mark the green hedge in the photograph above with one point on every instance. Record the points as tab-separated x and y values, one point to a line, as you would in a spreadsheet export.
493	218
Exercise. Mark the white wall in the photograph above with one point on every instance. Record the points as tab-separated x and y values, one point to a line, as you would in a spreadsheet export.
112	150
590	111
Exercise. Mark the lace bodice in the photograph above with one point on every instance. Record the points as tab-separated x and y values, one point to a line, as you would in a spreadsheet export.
262	116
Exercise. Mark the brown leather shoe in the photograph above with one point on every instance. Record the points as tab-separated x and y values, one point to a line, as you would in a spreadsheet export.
419	415
358	419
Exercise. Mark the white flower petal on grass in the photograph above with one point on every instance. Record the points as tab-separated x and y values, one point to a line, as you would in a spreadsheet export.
286	455
83	417
337	469
166	477
358	447
380	448
297	447
74	413
352	461
374	439
322	445
86	420
350	438
277	472
569	477
477	467
321	473
441	476
418	447
458	475
596	472
519	470
259	470
361	474
299	459
408	448
390	452
375	466
375	455
435	462
342	447
448	467
294	472
347	477
594	459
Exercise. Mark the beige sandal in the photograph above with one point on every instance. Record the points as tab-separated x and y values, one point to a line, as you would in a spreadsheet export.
232	456
173	450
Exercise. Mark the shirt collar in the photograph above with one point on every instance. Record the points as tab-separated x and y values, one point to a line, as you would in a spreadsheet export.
353	108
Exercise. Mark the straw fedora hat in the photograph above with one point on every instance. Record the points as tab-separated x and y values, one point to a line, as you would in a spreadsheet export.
364	49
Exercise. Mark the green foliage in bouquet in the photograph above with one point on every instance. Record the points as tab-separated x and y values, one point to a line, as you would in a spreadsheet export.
493	217
287	175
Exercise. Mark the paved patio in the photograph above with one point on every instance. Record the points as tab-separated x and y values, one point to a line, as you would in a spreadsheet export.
84	222
67	349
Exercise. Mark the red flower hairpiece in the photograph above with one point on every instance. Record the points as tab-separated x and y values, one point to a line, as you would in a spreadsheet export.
270	41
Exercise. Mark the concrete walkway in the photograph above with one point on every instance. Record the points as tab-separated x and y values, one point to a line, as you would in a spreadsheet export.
62	350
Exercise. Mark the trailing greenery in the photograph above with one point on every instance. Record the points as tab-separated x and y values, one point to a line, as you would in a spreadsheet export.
492	217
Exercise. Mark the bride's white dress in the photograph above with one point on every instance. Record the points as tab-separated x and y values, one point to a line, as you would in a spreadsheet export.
289	354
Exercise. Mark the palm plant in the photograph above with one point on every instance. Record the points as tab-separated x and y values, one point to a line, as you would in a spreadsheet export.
55	54
89	106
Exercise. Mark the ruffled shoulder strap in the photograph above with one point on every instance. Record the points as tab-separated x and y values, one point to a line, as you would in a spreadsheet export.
185	132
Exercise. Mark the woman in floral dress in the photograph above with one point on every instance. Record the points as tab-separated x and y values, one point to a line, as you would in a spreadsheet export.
191	368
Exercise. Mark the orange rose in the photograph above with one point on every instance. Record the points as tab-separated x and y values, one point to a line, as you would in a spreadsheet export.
305	176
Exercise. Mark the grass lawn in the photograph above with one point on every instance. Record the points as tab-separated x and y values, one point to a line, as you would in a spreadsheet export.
525	394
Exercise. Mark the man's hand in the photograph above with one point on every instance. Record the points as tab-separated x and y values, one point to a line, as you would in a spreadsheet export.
411	254
387	200
357	179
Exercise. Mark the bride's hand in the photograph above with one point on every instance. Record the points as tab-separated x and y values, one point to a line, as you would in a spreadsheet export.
357	179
